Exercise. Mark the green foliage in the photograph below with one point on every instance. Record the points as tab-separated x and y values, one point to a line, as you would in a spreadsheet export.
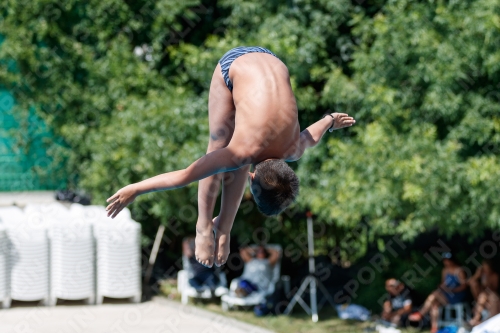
421	78
425	151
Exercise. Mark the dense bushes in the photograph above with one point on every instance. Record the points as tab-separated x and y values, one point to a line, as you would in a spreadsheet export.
125	85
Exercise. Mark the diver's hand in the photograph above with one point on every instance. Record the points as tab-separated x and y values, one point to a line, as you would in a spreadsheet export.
341	120
121	199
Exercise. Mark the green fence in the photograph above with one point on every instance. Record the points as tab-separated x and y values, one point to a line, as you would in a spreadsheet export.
24	161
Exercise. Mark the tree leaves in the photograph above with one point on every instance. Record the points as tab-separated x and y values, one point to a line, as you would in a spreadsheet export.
421	77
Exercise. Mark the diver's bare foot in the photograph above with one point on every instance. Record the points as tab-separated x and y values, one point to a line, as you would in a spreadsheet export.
222	240
204	245
221	248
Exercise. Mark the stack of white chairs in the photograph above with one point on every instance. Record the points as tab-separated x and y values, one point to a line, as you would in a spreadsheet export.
4	268
118	259
118	253
72	258
29	255
91	214
48	252
7	215
10	213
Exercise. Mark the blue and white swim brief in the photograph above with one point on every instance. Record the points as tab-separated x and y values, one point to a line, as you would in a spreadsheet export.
231	55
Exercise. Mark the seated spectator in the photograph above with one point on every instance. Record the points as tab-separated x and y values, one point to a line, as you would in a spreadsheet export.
258	271
398	306
452	290
202	277
484	287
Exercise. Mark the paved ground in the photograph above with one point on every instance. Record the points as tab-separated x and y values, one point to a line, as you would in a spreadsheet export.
157	316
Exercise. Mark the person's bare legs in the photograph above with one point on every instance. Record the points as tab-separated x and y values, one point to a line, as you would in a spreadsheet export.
234	183
386	312
486	300
434	312
432	303
482	298
221	113
436	298
493	303
396	319
208	190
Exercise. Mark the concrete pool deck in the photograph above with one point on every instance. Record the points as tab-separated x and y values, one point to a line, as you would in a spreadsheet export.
157	316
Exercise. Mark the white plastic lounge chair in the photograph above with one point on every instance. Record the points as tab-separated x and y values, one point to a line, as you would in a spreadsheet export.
187	291
230	300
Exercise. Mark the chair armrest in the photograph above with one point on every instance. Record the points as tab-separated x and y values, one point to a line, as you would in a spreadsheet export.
182	280
270	288
234	284
222	279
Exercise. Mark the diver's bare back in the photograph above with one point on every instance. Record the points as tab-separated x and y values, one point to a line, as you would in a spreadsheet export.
266	110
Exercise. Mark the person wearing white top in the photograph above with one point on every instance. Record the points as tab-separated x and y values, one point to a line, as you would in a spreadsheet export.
258	271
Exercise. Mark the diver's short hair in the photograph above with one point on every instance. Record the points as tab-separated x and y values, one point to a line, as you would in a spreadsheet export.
275	186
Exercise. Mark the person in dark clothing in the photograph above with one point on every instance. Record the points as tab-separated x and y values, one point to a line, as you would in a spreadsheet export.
399	303
201	277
